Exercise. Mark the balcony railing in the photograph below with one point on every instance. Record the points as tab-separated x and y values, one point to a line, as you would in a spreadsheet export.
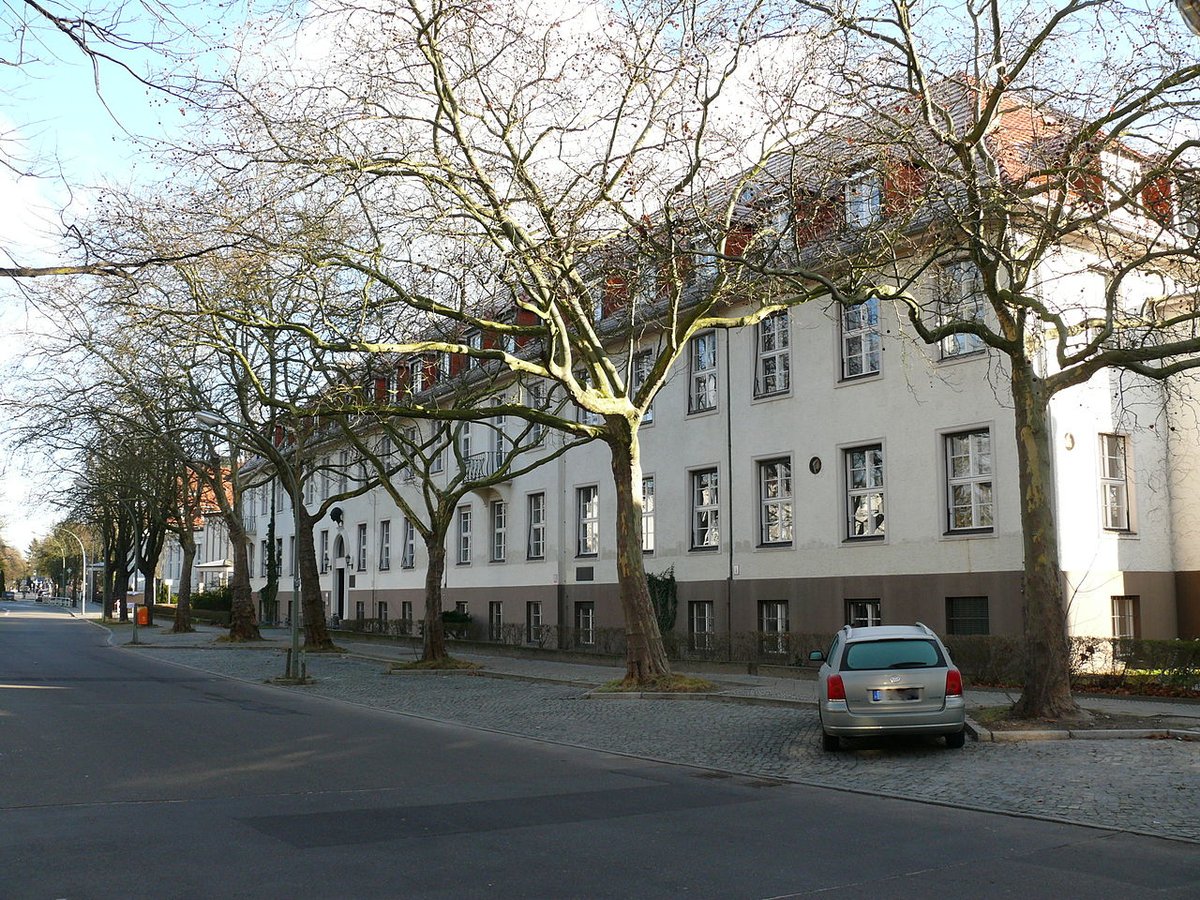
479	466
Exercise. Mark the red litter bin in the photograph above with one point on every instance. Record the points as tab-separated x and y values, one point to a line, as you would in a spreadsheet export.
143	615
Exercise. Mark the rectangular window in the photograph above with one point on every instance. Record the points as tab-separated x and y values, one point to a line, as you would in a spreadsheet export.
324	561
860	339
464	440
773	623
326	479
499	530
381	611
864	492
264	499
310	482
967	615
701	624
292	554
969	481
1114	482
864	200
587	503
266	560
278	557
464	535
408	550
360	563
533	622
360	610
775	501
250	557
437	459
536	543
585	624
706	532
960	299
1127	617
702	365
495	620
385	545
536	394
863	613
648	514
406	617
772	364
643	362
343	471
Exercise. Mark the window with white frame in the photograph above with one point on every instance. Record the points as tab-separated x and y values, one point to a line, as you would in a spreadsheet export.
495	620
326	480
498	424
1114	482
969	481
310	483
860	339
385	544
533	622
1127	617
863	613
648	514
324	560
585	623
475	342
360	562
643	363
1122	179
343	471
706	531
587	504
702	368
865	500
499	515
381	611
536	399
535	546
773	624
437	460
408	547
265	563
464	440
701	624
864	199
281	497
416	376
586	416
960	299
772	363
292	555
278	557
464	535
775	501
406	616
264	498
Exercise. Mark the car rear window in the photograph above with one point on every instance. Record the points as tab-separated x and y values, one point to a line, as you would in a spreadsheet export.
893	654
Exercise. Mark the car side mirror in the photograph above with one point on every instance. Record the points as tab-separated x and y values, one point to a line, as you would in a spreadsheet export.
816	656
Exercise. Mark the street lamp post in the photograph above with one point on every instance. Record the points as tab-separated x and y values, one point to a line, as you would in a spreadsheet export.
293	670
83	553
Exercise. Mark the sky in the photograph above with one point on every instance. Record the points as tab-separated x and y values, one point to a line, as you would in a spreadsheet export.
51	113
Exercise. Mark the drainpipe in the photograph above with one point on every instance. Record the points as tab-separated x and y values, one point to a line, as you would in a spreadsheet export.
729	491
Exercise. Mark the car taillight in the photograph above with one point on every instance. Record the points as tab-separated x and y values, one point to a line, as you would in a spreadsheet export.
953	683
834	688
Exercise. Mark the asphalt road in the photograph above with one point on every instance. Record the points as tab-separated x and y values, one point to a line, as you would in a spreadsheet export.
125	776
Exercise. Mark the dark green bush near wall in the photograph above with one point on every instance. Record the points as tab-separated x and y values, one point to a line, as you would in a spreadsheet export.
987	658
218	598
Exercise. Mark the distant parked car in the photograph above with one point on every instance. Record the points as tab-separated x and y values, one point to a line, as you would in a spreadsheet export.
10	595
889	679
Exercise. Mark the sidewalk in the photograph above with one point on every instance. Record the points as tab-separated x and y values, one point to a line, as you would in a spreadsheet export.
733	685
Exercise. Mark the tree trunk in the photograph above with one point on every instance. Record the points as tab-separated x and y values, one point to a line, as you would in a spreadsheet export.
183	610
1047	689
316	634
243	624
435	632
645	655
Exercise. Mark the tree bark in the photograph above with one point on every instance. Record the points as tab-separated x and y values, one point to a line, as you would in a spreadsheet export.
645	655
183	609
316	634
1047	688
243	623
435	632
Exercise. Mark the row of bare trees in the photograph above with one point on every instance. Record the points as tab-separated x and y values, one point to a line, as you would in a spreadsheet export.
565	196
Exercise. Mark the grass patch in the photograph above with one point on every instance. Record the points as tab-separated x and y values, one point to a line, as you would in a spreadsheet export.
435	665
671	684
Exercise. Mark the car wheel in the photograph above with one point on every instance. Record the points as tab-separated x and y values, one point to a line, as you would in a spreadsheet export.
831	743
956	739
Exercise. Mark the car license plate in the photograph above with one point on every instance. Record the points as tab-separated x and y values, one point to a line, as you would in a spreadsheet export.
888	694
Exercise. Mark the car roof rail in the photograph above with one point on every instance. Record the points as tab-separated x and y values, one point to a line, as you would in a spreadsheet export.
929	631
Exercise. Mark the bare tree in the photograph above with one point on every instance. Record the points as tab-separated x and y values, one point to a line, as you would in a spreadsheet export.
1033	149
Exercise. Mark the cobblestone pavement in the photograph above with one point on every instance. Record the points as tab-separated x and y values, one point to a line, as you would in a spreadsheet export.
1144	786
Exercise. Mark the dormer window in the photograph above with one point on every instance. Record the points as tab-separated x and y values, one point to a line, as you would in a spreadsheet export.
1122	178
864	200
475	342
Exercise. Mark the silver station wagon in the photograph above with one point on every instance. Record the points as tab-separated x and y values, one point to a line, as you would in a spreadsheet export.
889	679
